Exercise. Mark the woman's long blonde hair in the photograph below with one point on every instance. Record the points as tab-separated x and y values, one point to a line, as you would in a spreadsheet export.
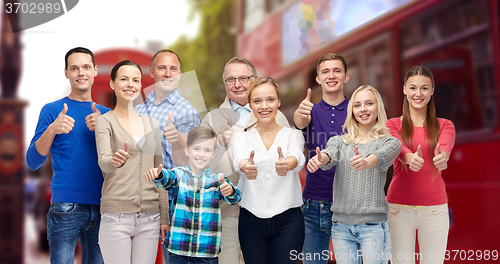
352	134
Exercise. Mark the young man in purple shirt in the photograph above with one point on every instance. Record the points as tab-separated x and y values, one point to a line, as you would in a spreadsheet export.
318	123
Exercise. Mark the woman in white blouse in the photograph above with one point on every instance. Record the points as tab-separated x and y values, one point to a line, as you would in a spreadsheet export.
269	158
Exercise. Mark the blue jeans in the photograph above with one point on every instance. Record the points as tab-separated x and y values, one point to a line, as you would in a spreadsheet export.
66	223
274	240
178	259
164	249
372	241
318	223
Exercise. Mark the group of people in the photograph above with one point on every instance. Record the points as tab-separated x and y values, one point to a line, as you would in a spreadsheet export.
124	178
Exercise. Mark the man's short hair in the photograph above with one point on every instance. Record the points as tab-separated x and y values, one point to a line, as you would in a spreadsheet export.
330	56
78	50
239	60
161	51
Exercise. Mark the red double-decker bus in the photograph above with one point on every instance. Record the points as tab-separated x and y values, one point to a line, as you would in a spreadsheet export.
380	40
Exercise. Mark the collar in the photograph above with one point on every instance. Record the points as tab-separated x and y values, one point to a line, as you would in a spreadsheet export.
340	106
206	172
236	106
172	98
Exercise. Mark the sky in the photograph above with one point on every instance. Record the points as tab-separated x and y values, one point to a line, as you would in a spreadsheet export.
97	25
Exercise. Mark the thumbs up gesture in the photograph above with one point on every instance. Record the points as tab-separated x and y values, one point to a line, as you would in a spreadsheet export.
121	156
305	106
250	169
281	164
417	161
63	123
90	119
316	161
169	131
440	158
226	133
358	162
225	188
153	173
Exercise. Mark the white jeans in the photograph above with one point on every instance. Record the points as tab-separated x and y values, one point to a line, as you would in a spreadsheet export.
230	244
432	223
129	238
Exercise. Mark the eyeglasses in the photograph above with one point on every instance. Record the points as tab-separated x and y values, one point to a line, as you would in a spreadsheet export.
242	79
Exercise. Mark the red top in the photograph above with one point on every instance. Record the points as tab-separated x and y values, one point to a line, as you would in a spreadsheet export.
422	187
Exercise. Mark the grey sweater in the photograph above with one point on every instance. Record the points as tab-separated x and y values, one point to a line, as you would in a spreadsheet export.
358	196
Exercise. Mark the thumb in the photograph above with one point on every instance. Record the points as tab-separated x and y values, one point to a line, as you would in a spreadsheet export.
419	151
230	121
221	179
94	108
169	121
356	151
318	153
280	154
438	150
65	109
125	146
159	169
250	159
308	97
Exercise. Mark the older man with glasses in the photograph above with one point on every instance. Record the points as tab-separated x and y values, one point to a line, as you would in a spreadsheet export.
233	116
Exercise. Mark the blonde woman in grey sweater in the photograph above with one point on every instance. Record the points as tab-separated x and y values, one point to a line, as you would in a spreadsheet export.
362	156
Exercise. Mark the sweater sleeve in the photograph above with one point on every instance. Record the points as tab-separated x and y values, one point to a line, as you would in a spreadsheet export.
395	130
103	143
447	136
296	149
332	149
387	150
33	158
162	194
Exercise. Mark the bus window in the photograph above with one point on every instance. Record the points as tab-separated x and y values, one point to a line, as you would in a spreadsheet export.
456	47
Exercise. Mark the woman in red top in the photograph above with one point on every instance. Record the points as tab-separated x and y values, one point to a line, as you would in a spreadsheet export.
417	195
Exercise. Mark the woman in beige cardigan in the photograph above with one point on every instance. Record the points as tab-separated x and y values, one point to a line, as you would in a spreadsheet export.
128	145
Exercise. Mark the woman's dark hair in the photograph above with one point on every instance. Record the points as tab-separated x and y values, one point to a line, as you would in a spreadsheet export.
123	63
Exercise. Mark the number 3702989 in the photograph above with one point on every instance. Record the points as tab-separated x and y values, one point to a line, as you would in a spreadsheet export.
471	255
32	8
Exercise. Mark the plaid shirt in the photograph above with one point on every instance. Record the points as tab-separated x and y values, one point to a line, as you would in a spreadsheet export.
184	116
196	226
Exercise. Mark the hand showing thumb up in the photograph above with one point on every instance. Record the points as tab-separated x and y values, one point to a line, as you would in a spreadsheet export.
169	131
250	169
225	188
440	160
121	156
281	165
417	161
153	173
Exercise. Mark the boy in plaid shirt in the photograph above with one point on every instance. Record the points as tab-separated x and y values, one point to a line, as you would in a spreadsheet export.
196	225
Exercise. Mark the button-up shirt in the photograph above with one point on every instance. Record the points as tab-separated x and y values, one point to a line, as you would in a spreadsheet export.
184	116
242	111
196	225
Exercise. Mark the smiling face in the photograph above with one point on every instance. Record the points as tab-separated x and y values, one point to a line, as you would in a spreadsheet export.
166	72
418	91
237	91
264	102
80	72
332	76
127	84
200	153
365	109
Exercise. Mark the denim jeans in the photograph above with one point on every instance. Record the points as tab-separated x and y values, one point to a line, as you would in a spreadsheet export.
178	259
66	223
318	223
272	240
164	249
372	241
